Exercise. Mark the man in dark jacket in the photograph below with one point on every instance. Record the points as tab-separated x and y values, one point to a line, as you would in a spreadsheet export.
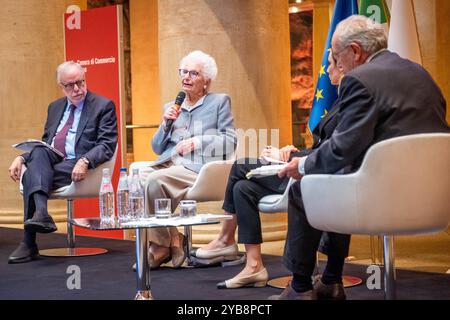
83	127
381	96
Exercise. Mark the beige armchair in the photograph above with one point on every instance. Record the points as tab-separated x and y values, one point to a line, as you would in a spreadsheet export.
274	203
209	186
401	188
87	188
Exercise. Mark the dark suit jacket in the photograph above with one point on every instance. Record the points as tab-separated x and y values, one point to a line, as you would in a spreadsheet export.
96	137
381	99
322	131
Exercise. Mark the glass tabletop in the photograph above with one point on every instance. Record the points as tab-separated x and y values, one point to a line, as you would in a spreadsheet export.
94	223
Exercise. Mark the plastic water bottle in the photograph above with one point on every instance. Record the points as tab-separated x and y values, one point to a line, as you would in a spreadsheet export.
137	209
106	199
123	211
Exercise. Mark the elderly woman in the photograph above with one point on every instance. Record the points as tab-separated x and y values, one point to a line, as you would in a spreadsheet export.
241	201
202	131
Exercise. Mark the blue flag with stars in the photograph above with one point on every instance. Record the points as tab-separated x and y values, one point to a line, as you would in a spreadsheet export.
326	93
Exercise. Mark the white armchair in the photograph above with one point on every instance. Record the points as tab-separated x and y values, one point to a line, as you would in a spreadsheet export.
87	188
274	203
210	185
211	181
401	188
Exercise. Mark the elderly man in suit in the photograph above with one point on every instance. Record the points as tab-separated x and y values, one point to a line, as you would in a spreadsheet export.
83	127
381	96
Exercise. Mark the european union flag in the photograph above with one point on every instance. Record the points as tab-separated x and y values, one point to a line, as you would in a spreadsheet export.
326	93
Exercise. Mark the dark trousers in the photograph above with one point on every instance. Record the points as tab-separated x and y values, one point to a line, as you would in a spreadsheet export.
45	172
242	197
303	240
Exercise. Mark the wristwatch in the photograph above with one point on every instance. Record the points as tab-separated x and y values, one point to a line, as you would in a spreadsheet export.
301	165
85	160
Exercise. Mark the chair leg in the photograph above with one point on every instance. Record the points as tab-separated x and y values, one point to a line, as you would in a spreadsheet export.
188	244
71	250
389	268
70	234
376	250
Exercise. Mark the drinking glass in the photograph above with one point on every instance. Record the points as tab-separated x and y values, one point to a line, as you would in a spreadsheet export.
163	208
188	208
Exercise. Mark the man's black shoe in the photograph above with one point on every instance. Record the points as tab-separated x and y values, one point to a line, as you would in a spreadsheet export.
290	294
41	224
334	291
23	254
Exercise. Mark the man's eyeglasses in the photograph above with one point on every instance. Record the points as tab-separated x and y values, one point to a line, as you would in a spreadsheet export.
336	55
71	85
192	73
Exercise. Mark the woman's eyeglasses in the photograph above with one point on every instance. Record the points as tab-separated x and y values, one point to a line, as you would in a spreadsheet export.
192	73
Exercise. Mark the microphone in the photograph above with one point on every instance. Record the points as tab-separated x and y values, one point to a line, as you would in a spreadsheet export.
178	101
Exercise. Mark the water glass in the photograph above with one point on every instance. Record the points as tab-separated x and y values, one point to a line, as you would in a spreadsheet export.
188	208
163	208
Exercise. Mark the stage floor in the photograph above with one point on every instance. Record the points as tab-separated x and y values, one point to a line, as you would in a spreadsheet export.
109	276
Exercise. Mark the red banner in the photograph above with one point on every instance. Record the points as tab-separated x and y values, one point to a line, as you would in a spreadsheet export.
93	39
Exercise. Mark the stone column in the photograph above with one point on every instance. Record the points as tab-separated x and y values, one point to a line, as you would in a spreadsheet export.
33	46
250	42
146	108
322	13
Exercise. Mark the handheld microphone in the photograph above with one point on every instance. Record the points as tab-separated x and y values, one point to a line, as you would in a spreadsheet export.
178	101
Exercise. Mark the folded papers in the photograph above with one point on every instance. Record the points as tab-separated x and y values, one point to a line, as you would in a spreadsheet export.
30	144
265	171
179	221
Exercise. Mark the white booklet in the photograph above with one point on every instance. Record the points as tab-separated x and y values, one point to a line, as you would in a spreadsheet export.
178	221
30	144
272	160
265	171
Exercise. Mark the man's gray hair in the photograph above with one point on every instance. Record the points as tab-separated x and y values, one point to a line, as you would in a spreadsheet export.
207	63
65	66
365	31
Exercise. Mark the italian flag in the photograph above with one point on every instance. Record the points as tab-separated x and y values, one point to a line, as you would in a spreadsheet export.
403	37
376	10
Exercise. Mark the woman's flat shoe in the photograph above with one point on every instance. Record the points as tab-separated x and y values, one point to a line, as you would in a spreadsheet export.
231	250
256	280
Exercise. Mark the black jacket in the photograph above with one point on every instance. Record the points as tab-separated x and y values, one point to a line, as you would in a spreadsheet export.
96	137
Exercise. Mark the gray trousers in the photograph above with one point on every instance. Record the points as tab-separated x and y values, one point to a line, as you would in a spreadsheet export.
167	181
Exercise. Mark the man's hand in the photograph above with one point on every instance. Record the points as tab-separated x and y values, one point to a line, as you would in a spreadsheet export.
185	146
291	169
79	171
15	169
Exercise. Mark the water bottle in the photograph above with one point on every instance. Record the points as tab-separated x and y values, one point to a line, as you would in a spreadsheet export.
106	199
123	211
137	210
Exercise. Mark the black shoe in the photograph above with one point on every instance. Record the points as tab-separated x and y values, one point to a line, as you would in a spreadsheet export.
42	224
23	254
334	291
